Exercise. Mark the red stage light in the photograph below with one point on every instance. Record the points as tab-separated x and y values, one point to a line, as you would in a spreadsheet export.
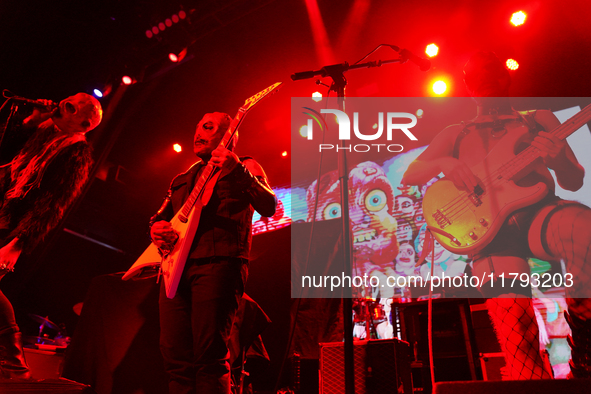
182	14
284	154
149	34
439	87
155	30
173	58
127	80
432	50
518	18
168	22
177	148
512	64
161	26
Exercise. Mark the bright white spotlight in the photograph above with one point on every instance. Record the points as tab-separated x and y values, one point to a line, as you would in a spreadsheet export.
432	50
518	18
512	64
439	87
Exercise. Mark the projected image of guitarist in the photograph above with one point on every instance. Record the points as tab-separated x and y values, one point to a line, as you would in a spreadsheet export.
512	222
195	323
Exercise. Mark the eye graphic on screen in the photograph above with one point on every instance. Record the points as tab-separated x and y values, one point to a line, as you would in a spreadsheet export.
332	211
375	200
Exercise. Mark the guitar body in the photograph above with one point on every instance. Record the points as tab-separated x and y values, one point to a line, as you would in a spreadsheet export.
173	263
466	222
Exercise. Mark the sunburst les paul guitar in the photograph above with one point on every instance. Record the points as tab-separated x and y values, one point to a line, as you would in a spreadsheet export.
186	220
465	222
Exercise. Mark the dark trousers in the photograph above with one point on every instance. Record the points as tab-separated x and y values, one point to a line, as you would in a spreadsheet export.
195	325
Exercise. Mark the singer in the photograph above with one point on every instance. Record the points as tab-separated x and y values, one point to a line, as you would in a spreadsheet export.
45	162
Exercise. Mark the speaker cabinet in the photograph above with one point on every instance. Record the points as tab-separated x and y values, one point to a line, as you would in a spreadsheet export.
381	366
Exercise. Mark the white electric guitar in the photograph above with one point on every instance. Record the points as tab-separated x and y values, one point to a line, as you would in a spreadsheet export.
186	220
465	222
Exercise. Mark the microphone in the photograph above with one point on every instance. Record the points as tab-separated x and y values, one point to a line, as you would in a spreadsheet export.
7	94
423	64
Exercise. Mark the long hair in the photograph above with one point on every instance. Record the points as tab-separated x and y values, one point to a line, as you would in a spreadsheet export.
28	167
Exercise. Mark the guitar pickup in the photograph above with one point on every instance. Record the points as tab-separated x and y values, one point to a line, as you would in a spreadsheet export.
441	219
474	199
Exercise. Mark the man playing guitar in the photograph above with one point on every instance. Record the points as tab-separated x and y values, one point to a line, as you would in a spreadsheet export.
195	324
550	229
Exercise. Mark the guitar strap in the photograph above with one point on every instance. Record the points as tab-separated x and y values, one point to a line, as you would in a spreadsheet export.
465	131
526	117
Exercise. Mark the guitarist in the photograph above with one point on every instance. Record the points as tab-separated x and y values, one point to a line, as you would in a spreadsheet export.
195	324
46	162
550	229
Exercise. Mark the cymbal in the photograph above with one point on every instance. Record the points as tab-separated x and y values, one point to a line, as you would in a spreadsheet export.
46	322
33	340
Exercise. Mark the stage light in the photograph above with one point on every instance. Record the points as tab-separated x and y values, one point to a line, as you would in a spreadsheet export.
98	93
432	50
175	18
304	131
182	14
518	18
419	113
177	148
149	34
284	154
175	58
127	80
512	64
155	30
168	22
439	87
161	26
317	96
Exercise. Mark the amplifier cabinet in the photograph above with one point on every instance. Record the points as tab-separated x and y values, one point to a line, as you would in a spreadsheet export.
381	366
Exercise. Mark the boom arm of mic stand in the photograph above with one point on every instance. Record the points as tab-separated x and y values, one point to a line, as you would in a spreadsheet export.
341	68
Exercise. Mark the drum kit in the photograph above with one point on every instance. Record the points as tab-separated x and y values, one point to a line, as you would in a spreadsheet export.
43	339
368	312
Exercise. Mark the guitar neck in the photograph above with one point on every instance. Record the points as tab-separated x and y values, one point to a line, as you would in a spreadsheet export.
209	169
530	154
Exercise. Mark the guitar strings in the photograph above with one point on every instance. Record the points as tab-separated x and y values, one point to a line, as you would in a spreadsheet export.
558	132
508	170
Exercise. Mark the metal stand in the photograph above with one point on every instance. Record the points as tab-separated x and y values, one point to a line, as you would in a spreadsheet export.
336	72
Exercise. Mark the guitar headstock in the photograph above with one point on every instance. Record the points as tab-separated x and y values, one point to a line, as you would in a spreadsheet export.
251	101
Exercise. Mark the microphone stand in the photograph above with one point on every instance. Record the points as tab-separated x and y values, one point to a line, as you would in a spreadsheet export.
336	72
